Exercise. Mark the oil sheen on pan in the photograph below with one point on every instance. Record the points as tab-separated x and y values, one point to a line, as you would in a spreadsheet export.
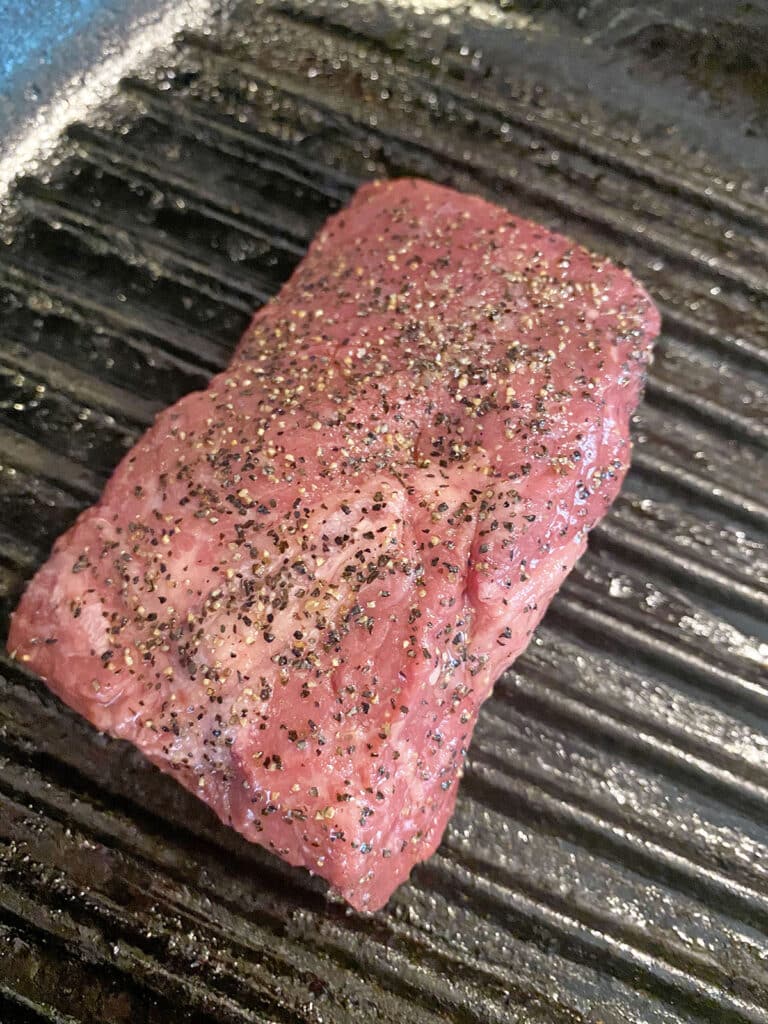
301	584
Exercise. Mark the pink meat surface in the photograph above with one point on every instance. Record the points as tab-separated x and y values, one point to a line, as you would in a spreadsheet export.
299	587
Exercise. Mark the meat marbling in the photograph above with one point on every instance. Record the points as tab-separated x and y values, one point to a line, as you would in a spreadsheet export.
300	585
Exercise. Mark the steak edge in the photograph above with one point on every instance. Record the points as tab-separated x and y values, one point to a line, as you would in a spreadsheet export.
300	585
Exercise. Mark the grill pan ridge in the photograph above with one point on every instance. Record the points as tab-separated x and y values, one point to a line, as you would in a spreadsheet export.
608	859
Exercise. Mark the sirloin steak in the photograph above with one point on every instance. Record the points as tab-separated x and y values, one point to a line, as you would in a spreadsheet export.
300	585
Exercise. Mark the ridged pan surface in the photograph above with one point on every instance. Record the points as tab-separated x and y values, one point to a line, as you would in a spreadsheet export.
608	860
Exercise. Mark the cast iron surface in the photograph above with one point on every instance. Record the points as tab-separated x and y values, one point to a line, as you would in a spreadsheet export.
608	860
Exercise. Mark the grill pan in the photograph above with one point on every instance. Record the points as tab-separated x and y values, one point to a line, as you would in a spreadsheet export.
608	859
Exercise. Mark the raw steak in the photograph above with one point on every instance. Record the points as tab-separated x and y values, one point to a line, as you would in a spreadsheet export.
301	584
